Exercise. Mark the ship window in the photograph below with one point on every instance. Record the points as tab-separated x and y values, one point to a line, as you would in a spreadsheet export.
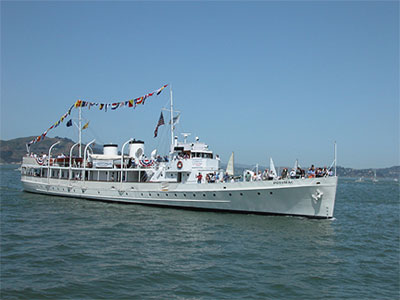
141	194
204	195
214	195
258	193
184	195
270	193
224	187
230	194
149	194
194	195
158	195
241	194
166	195
176	195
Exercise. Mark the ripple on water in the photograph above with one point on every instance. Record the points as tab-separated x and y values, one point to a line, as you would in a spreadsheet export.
66	248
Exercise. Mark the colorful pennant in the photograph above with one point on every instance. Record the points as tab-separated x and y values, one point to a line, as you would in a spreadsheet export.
80	103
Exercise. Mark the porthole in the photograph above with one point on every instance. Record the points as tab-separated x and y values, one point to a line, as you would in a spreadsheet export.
166	195
270	193
126	193
149	194
98	192
204	195
241	194
214	195
258	193
194	195
184	195
158	195
224	187
176	195
230	194
141	194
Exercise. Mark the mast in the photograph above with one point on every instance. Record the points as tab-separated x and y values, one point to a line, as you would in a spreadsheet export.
172	123
80	131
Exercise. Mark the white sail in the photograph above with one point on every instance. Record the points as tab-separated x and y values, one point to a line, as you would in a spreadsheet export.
230	167
296	164
272	167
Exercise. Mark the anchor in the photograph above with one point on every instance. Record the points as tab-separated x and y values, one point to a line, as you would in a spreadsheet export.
318	195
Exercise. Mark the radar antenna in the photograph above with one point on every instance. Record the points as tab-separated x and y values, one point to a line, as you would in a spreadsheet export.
185	136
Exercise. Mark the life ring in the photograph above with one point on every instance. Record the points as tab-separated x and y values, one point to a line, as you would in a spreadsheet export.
179	165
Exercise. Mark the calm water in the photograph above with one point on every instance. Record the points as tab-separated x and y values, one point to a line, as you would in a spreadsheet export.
65	248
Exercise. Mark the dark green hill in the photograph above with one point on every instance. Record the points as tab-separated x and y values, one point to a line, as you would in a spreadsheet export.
12	151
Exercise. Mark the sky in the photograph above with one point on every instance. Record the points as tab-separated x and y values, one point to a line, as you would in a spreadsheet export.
260	78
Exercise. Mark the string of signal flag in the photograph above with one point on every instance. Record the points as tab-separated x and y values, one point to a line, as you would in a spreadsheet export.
113	106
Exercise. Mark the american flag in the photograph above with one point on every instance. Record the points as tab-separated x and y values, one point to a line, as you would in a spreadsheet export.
160	122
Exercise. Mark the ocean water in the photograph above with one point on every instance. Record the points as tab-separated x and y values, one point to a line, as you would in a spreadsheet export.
65	248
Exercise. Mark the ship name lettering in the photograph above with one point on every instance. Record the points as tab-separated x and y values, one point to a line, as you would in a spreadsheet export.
284	182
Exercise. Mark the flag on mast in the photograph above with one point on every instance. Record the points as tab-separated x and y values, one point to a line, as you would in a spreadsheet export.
175	120
160	122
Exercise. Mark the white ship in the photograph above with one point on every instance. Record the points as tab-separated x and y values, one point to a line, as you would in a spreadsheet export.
179	181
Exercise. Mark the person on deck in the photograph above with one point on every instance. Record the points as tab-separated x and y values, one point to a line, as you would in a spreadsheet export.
226	177
284	173
248	176
311	172
199	178
265	175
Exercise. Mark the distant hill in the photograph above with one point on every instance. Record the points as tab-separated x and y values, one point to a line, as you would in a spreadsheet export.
392	172
12	151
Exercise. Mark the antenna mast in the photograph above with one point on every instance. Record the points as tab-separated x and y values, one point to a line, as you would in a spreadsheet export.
335	157
172	125
80	131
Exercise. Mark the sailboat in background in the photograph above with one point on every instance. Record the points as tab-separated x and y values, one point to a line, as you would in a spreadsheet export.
272	168
230	169
361	179
374	179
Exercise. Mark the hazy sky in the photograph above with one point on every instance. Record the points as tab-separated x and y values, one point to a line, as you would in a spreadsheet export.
281	79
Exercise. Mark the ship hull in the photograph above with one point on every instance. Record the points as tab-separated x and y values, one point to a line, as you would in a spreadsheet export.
314	198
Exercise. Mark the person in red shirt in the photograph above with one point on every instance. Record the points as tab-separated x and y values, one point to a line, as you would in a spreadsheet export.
199	177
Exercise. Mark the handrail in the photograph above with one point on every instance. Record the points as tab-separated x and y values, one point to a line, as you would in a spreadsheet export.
70	160
122	156
49	161
84	159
